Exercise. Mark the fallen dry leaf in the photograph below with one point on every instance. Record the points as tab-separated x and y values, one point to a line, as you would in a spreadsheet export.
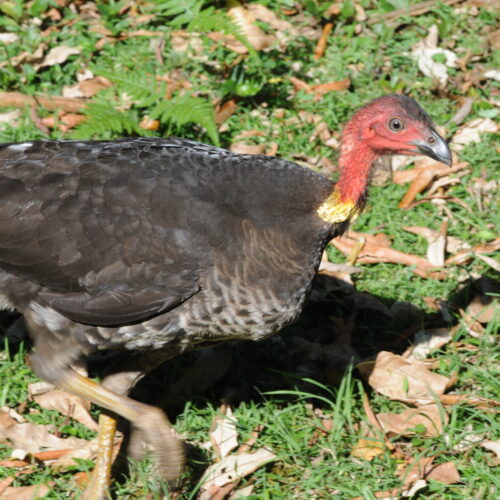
67	404
10	118
493	446
373	254
90	87
323	88
10	416
25	492
224	437
19	100
26	57
224	111
33	438
245	19
405	380
427	341
148	123
415	470
234	467
368	448
242	493
483	308
465	256
471	132
248	149
423	52
7	38
435	239
444	473
430	416
57	55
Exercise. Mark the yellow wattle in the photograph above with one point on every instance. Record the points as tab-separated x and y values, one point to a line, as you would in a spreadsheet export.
333	210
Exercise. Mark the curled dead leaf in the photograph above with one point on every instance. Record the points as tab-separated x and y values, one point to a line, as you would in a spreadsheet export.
247	22
224	437
234	467
427	341
32	438
373	253
471	132
405	380
26	492
57	55
248	149
368	448
67	404
430	419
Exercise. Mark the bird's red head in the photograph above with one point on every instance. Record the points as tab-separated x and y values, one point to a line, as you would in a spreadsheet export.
392	124
396	124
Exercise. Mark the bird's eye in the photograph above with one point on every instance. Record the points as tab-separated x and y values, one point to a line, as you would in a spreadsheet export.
396	124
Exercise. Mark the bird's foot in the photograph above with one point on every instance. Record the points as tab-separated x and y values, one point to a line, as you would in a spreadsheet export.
98	489
155	431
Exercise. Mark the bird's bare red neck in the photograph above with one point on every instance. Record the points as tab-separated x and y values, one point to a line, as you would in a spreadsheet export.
346	200
355	162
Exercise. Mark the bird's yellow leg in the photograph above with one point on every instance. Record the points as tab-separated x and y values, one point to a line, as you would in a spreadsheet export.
152	423
98	489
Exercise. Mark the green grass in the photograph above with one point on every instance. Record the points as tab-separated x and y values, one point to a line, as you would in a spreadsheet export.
270	383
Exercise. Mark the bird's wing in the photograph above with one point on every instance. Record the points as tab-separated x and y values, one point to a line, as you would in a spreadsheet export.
104	228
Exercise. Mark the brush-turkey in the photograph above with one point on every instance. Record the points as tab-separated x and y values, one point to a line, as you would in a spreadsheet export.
157	246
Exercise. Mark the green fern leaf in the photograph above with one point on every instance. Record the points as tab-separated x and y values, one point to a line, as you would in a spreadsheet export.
104	121
186	109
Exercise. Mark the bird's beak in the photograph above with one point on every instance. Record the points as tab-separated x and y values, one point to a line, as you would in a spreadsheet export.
435	147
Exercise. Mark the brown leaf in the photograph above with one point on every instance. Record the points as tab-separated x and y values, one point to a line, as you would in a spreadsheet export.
246	21
427	341
423	179
426	163
92	86
415	470
225	111
493	446
323	39
465	256
436	240
405	380
373	254
148	123
444	473
32	438
26	57
471	132
477	401
430	416
299	84
224	437
70	120
248	149
19	100
10	118
368	448
57	55
324	88
67	404
483	308
26	492
234	467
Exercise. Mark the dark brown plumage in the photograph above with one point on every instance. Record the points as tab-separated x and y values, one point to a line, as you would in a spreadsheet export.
163	245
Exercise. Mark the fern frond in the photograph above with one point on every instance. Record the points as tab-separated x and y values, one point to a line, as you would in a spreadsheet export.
184	12
186	109
103	118
212	20
143	89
